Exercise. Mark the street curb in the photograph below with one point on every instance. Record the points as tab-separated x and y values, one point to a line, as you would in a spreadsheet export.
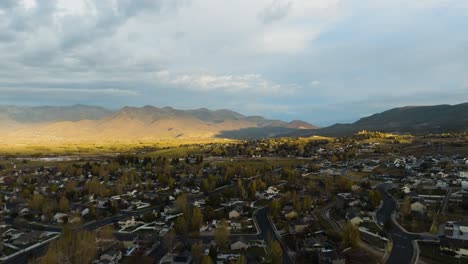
255	219
281	240
415	257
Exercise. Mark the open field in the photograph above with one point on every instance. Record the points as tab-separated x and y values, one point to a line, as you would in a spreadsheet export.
162	147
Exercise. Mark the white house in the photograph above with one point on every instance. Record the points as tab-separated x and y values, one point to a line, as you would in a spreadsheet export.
418	207
234	214
457	230
59	217
406	189
463	174
272	190
239	245
442	184
356	220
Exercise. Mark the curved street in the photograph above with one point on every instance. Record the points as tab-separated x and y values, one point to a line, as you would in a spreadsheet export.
403	250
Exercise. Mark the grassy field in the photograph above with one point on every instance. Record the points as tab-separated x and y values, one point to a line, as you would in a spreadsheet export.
163	147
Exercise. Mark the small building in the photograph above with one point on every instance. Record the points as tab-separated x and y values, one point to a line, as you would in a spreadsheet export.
458	247
418	207
457	230
235	213
356	220
60	217
297	226
112	256
239	245
329	256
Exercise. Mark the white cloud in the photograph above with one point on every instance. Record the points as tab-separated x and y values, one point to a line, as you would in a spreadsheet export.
41	90
277	10
248	83
315	83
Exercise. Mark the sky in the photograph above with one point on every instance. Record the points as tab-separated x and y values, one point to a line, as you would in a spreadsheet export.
322	61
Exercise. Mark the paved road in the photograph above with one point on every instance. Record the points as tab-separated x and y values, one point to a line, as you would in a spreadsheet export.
403	249
443	207
267	232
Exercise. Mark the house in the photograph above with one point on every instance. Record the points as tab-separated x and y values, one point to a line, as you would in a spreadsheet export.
128	223
457	230
235	226
182	258
343	199
235	213
60	217
406	189
458	247
29	238
75	220
297	226
112	256
311	245
418	207
356	220
292	214
272	190
329	256
463	174
199	203
239	245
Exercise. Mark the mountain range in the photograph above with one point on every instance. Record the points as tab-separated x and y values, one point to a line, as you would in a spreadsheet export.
20	124
403	120
82	123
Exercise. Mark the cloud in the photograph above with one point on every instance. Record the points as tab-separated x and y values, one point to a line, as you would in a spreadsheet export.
246	83
276	10
42	90
319	55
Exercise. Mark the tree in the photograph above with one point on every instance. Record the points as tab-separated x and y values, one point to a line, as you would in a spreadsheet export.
72	247
169	240
307	203
351	235
241	260
181	202
297	204
106	232
197	219
274	208
180	226
64	204
36	202
375	198
275	251
222	234
252	189
406	207
197	252
207	260
170	183
149	217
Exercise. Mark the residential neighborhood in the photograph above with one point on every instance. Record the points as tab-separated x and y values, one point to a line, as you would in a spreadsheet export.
263	201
